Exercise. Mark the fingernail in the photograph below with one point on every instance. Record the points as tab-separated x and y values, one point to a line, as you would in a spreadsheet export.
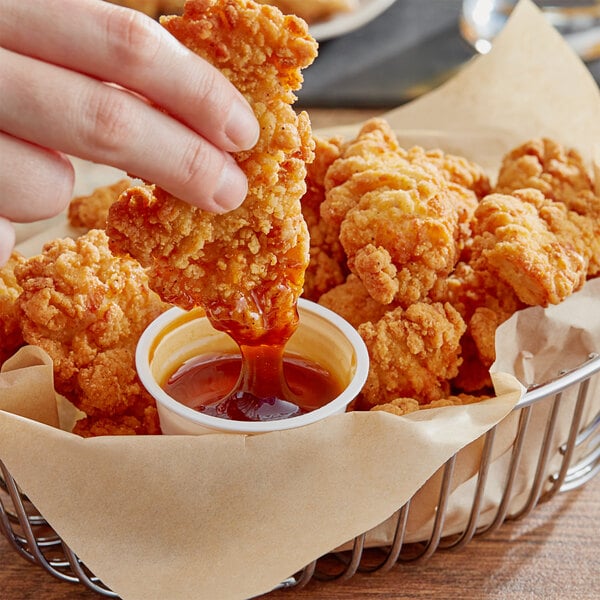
242	127
232	187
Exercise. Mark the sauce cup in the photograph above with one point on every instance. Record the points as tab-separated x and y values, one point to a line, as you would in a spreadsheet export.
177	336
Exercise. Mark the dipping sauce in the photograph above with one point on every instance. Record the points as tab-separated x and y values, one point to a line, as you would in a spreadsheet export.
281	386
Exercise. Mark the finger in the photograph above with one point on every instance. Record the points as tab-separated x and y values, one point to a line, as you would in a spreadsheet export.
126	47
36	183
67	111
7	240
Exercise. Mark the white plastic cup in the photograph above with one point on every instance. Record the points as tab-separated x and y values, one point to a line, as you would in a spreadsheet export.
175	337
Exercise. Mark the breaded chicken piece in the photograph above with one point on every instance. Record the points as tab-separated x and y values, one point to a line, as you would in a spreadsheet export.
533	244
313	11
351	301
398	213
87	308
404	406
91	211
327	267
402	234
414	352
374	144
484	302
467	181
561	175
10	331
246	267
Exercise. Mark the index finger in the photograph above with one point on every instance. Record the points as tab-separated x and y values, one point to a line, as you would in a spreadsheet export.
123	46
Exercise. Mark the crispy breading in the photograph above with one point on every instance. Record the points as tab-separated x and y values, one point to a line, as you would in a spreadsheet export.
374	144
402	234
91	211
402	219
467	181
413	352
471	291
246	267
352	301
404	406
87	308
561	175
10	331
531	243
327	267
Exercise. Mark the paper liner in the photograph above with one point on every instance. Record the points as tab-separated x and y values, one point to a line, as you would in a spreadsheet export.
222	516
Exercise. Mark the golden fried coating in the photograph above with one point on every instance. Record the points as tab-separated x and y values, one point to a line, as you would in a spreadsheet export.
398	213
467	181
532	244
414	353
91	211
404	406
561	175
146	423
401	235
479	293
313	11
87	308
10	331
352	301
374	144
246	267
327	267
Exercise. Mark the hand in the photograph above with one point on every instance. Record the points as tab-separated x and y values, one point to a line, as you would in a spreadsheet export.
110	85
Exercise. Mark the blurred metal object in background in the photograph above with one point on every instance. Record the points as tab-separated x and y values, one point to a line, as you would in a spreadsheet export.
577	20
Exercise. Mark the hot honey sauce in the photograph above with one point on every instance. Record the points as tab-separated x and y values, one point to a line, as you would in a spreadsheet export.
266	386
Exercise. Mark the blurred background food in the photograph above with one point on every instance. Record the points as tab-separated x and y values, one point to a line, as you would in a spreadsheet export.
311	11
153	8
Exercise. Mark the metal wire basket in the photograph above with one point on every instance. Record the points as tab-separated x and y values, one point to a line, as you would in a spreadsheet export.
560	465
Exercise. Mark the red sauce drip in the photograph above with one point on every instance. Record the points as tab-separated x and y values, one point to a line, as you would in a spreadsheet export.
270	385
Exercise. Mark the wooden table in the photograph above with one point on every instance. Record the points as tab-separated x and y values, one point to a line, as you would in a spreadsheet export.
551	554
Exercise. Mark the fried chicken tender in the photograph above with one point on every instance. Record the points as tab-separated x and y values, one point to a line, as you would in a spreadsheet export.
403	216
468	183
561	175
484	302
374	144
246	267
414	352
352	302
531	243
91	212
87	308
10	290
402	234
327	267
404	406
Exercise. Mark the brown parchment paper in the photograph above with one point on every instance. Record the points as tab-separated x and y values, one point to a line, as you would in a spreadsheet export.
223	516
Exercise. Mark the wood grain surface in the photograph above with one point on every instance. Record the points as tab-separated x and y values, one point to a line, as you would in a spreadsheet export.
551	554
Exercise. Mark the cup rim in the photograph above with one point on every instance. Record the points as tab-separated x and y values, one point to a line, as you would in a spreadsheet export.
233	426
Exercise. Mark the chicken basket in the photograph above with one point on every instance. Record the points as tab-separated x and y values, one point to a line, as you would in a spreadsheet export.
560	465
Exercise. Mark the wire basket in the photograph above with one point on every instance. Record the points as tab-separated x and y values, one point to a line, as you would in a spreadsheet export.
560	465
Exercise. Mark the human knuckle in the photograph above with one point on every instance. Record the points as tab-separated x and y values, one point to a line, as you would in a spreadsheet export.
196	163
132	38
107	124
